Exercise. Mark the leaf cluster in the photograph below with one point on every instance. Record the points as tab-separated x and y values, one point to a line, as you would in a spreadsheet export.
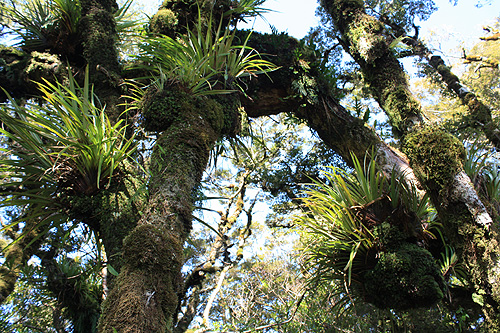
342	217
205	61
67	145
54	24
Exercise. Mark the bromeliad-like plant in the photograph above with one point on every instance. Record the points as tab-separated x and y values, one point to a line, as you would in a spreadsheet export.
341	242
65	145
205	61
363	227
41	25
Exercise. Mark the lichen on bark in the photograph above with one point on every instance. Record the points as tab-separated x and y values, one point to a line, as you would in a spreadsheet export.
145	296
435	155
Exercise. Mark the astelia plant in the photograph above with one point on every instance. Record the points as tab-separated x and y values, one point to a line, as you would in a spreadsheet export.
64	145
205	61
40	25
354	224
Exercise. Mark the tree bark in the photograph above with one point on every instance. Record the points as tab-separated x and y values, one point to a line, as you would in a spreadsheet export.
144	298
435	155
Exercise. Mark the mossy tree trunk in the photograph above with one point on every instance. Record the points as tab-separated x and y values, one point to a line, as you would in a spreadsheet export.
144	298
434	154
98	38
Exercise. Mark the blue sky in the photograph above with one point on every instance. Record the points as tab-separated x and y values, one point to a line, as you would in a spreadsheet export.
464	20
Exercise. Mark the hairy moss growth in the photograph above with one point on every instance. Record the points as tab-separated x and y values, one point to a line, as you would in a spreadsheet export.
12	64
400	106
435	155
404	279
98	29
161	108
478	110
175	16
366	39
389	236
152	280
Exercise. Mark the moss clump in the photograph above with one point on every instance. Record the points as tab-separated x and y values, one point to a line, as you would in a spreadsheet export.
153	259
98	30
478	110
42	65
161	108
164	22
435	155
389	236
404	279
366	39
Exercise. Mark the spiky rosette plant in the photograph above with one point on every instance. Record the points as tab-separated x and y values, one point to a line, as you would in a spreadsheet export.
205	61
362	231
41	25
63	146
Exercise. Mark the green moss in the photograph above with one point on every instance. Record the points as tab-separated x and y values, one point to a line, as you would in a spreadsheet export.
99	42
400	107
164	22
478	110
447	75
113	212
435	155
161	108
366	39
42	65
148	248
389	236
403	279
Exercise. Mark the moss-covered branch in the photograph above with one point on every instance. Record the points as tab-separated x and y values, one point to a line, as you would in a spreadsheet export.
435	155
280	92
479	113
99	38
19	71
144	298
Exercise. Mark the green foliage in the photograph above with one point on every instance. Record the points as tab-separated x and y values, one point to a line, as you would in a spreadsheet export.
66	146
40	24
205	61
247	8
352	236
31	20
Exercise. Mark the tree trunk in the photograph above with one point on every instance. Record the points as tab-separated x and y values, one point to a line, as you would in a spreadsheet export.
144	298
435	155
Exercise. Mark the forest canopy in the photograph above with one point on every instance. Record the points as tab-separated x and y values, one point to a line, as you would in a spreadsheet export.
177	172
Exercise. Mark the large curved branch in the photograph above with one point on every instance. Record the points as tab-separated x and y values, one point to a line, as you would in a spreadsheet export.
435	155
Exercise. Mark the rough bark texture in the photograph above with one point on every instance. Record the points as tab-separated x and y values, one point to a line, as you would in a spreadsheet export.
435	155
145	295
479	114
